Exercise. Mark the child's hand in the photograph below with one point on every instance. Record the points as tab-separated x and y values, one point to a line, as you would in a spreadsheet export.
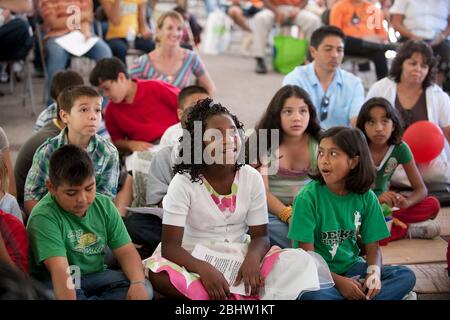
372	285
388	197
350	289
214	282
250	273
137	291
140	145
401	201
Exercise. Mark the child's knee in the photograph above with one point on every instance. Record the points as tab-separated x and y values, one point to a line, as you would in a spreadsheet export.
406	276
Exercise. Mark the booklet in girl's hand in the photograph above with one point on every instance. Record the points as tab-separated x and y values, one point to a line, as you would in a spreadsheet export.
227	264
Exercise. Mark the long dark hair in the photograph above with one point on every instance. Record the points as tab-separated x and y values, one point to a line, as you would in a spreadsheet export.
354	144
391	113
201	111
271	119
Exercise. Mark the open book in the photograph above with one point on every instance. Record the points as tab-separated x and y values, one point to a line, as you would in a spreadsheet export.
76	43
227	264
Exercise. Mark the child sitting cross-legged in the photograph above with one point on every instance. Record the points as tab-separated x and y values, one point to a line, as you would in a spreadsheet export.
70	228
210	205
333	210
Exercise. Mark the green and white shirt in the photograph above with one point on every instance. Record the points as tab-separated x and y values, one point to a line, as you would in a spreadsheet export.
332	223
396	154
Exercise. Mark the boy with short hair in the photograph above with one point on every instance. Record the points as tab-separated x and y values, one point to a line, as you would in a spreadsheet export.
48	125
70	228
187	98
80	110
138	111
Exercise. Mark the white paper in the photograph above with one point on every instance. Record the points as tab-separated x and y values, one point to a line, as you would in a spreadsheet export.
227	264
76	43
147	210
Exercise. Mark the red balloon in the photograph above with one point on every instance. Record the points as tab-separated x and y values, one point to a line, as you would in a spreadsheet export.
425	139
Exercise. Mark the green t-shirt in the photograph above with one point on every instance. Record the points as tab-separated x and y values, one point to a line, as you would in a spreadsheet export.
332	223
54	232
396	154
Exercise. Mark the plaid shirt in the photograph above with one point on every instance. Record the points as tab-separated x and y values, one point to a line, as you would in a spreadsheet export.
103	153
51	112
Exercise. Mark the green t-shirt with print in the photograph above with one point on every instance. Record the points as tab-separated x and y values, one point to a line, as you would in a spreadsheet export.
396	154
54	232
332	223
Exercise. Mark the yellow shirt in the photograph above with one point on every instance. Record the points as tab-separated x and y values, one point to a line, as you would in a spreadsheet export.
128	18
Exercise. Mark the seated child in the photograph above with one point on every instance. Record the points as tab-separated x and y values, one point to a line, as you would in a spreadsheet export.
48	125
60	81
72	226
337	207
138	111
7	201
187	97
292	113
13	242
213	201
81	112
383	129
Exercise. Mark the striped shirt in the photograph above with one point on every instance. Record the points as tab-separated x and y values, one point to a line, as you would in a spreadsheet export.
51	113
103	153
285	184
192	66
63	9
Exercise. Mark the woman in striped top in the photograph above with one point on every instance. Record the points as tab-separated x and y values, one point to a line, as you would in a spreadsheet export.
285	170
169	61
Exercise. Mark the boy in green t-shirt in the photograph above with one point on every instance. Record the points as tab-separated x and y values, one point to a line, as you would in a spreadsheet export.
69	230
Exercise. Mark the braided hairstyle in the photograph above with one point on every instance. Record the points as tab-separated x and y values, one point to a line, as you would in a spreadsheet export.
189	142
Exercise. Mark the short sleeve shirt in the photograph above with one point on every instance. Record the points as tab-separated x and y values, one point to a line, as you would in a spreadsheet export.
332	222
54	232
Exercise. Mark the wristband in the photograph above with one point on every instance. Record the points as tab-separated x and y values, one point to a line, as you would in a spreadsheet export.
137	282
373	269
285	214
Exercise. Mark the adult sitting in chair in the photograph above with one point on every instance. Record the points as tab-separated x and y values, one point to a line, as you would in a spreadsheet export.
127	18
15	38
337	94
361	22
57	15
428	21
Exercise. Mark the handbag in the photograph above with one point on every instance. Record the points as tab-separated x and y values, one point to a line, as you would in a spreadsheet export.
290	48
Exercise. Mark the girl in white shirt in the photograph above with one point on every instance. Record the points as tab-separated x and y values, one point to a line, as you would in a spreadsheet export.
213	200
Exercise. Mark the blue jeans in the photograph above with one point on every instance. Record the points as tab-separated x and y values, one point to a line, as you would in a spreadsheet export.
58	58
119	46
106	285
396	282
278	231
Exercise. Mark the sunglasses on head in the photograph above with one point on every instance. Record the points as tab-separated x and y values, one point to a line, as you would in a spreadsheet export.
324	108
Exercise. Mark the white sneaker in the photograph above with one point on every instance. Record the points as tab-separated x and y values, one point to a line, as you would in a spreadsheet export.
424	230
410	296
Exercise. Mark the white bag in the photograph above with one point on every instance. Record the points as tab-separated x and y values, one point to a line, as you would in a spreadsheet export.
217	33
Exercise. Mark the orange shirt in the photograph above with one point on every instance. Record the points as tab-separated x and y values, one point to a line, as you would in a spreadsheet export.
358	20
59	9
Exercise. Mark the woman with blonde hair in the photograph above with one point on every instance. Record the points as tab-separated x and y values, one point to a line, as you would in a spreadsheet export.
169	61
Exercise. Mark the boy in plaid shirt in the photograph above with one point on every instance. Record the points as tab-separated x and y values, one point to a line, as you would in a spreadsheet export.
81	112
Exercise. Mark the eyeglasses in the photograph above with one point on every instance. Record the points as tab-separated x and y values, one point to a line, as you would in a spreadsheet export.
324	108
